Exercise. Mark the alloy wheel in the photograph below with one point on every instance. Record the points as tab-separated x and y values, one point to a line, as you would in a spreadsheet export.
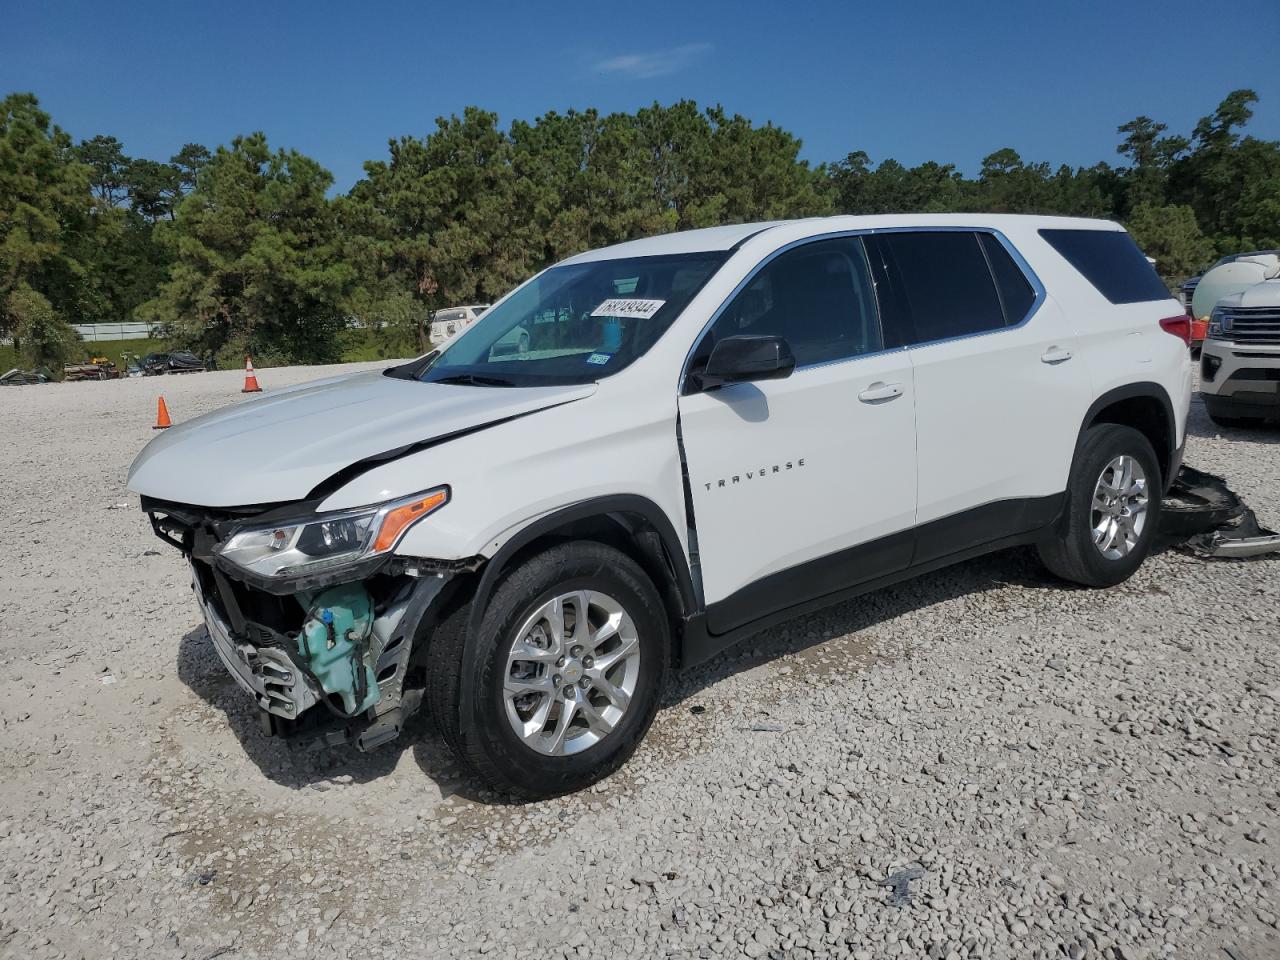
1119	510
571	672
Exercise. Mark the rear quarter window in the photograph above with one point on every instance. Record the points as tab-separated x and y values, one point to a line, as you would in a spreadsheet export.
1111	261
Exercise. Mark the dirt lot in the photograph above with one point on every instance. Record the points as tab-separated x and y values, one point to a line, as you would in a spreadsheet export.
1072	773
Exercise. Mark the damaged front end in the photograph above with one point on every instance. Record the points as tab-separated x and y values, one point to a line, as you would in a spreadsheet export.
312	614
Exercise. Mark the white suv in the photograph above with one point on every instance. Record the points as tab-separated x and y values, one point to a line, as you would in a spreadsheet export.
452	321
718	430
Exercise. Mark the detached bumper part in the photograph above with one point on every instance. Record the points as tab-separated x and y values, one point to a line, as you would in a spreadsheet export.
1207	518
1240	548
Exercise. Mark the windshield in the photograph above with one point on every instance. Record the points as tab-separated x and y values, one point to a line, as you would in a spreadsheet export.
576	323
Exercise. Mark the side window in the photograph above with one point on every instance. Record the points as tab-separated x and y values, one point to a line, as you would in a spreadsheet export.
818	297
1016	292
943	286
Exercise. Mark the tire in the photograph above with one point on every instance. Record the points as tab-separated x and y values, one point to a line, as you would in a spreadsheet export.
1073	554
476	714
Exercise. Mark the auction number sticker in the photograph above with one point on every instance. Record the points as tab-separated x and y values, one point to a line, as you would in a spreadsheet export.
631	309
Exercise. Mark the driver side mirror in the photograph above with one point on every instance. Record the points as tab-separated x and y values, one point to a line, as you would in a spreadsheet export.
743	359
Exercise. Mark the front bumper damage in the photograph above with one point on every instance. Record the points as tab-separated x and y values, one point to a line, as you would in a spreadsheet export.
334	657
267	674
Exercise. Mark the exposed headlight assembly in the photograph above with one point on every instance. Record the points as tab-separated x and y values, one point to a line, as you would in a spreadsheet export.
321	542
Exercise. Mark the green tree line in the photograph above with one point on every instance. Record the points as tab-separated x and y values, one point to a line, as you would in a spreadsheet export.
244	248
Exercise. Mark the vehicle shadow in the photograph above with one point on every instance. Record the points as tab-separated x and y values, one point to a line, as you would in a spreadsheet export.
746	400
302	760
1199	425
298	762
969	578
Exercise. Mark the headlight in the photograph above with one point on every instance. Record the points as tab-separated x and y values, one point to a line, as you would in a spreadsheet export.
1219	322
321	542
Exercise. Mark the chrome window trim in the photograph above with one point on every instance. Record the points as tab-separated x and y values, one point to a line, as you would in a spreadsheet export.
1037	287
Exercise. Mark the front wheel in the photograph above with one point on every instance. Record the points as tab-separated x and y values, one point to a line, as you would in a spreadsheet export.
1112	509
566	670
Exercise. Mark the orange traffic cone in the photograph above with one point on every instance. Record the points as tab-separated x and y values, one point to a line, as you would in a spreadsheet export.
250	381
162	415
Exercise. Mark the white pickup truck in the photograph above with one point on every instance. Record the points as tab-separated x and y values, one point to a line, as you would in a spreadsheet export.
716	430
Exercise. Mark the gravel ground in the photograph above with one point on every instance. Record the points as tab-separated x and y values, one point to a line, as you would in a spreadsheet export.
1065	773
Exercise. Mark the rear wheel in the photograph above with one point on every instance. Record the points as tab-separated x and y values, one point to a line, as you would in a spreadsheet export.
1112	509
571	652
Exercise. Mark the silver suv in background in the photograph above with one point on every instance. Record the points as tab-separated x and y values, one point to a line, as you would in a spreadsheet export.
1240	361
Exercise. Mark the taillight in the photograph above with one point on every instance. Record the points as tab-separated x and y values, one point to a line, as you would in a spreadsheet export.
1179	326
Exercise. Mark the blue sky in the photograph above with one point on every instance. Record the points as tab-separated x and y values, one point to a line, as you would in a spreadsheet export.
949	81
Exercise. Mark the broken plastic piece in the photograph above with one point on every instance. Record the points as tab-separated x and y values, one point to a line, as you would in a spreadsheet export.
1218	544
1202	515
899	885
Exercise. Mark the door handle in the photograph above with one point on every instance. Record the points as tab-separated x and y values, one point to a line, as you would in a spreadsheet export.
880	391
1055	355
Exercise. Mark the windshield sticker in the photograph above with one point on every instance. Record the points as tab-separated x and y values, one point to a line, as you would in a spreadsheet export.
632	309
600	358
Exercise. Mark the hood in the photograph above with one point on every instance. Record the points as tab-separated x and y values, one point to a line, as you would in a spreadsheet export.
1265	294
279	447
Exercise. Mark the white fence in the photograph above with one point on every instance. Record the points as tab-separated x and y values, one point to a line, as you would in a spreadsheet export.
97	332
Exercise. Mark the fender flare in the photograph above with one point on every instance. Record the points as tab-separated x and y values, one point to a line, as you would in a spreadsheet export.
583	510
1147	390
